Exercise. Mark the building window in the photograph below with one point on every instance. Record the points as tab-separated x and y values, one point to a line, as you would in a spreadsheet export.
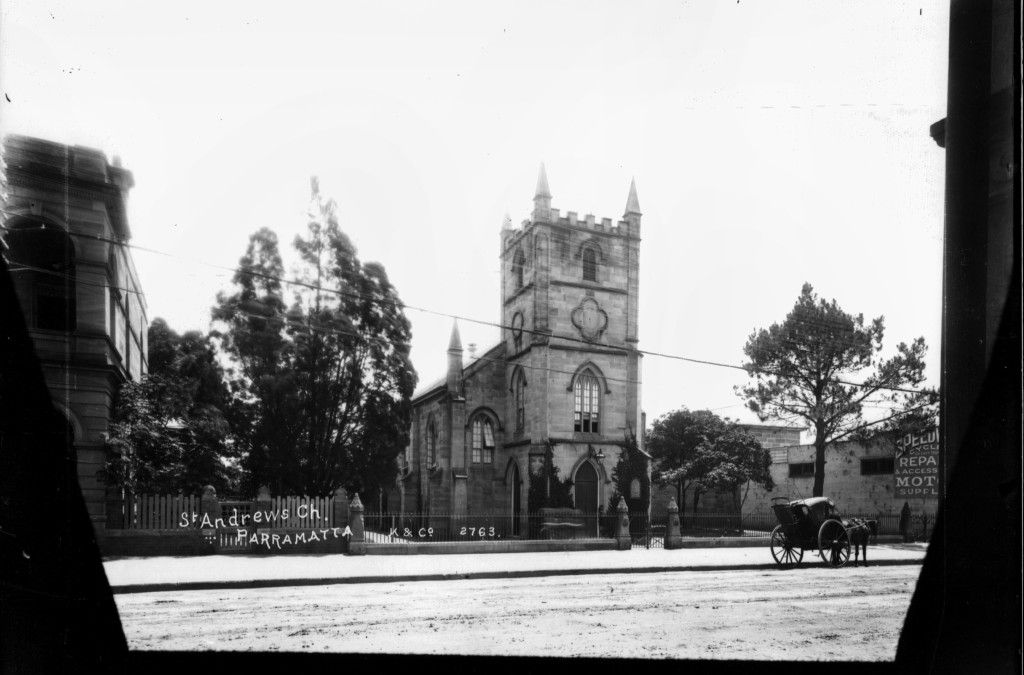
877	466
54	309
518	263
589	264
520	398
801	470
431	443
586	403
42	266
483	441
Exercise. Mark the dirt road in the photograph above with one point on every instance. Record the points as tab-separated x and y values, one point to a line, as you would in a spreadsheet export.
810	613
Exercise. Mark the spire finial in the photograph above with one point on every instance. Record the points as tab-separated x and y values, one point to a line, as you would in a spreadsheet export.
542	184
632	202
455	344
507	223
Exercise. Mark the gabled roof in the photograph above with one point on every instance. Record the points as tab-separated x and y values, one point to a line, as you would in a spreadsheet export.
423	391
440	383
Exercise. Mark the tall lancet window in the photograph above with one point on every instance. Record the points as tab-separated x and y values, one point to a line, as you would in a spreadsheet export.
431	443
518	264
520	398
587	403
482	451
589	264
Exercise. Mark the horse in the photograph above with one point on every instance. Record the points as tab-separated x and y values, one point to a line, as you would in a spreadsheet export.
860	531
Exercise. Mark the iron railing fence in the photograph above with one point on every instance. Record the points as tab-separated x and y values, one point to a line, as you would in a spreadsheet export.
649	532
397	528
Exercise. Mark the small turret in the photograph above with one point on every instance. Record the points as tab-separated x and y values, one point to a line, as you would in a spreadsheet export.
632	214
542	199
455	362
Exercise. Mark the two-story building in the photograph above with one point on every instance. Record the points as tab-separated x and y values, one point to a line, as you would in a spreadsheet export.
64	235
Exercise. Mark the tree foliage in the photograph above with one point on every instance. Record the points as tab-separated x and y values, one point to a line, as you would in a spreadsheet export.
807	369
320	385
546	489
632	464
168	432
700	451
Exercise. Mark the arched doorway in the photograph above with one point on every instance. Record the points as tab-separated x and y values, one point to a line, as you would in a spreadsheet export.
515	484
586	482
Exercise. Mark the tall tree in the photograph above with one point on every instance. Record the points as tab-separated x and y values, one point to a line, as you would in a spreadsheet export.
168	430
321	387
735	461
821	365
700	451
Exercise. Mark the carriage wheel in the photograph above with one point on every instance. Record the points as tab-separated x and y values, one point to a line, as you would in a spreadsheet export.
833	543
783	550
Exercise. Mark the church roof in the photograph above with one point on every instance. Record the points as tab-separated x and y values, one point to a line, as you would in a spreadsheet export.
442	382
423	391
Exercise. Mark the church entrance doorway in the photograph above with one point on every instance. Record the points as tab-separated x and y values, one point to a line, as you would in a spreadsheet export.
586	495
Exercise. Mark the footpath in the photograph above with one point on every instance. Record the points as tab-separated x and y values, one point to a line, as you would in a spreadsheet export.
170	573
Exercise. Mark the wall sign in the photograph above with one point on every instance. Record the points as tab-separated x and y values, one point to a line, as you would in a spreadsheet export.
916	468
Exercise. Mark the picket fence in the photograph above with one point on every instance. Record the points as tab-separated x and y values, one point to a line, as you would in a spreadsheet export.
157	512
164	512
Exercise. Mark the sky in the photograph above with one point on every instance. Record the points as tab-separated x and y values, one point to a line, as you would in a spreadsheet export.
772	143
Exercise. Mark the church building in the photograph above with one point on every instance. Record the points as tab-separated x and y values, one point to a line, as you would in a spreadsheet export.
563	382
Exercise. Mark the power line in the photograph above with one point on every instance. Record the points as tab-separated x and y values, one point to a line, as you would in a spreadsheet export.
294	322
401	305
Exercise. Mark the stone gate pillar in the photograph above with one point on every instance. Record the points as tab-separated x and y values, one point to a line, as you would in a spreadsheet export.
357	542
209	505
623	540
673	536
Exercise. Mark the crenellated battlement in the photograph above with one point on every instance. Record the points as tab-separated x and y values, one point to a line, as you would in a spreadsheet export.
545	214
606	226
589	221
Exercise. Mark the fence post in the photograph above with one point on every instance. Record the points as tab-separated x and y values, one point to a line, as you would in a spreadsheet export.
210	508
623	540
357	542
264	502
339	516
340	508
673	536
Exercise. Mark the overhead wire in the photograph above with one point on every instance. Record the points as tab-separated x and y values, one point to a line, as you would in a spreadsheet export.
402	305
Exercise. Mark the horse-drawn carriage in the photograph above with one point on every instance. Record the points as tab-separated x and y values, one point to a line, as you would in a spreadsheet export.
814	524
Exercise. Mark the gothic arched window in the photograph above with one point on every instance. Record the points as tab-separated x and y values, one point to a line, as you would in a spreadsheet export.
42	264
587	403
431	442
518	264
520	399
589	264
482	451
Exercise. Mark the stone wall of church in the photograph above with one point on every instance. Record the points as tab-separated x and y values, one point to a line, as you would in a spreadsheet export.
613	404
485	391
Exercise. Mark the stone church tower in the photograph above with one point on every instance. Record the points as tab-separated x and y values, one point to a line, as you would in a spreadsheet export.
564	378
569	301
